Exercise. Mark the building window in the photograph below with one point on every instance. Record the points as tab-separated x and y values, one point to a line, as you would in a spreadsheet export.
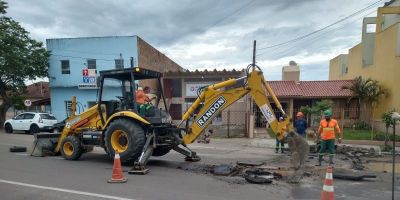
371	28
177	87
91	63
65	67
119	63
68	105
176	111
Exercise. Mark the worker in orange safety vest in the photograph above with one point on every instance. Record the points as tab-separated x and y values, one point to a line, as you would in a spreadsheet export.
327	129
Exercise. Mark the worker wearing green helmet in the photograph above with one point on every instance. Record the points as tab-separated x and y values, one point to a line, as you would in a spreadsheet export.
327	129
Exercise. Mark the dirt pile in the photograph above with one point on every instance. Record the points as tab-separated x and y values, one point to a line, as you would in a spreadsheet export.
357	155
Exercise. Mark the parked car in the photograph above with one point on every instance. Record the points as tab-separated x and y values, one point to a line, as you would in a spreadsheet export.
30	122
58	127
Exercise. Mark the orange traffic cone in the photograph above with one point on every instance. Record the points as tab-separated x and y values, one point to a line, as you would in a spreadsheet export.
117	174
327	190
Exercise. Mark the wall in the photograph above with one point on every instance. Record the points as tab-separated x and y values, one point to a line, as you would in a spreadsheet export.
388	67
385	67
338	66
77	51
151	58
368	40
391	19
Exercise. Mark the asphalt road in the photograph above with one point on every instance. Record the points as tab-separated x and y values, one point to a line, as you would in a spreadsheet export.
37	178
25	177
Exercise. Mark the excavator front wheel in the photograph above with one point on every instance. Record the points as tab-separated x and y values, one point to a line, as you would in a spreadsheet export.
119	140
126	136
71	148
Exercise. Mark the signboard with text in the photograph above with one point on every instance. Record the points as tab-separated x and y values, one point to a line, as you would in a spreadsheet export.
191	88
88	79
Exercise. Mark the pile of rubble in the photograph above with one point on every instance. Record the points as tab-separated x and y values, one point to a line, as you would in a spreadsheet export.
355	154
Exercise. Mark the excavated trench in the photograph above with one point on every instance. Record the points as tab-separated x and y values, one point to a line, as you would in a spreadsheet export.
351	163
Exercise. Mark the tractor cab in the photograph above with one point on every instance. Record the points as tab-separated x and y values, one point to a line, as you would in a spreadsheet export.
125	80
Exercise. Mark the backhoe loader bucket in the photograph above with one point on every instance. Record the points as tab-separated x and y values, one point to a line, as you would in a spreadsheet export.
299	149
44	144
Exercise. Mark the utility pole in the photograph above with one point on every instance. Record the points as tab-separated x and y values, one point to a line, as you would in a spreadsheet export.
395	117
254	54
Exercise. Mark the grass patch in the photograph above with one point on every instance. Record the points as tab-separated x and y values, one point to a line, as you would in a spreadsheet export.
349	134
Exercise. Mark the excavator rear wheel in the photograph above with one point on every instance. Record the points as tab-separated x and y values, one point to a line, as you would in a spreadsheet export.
126	137
71	148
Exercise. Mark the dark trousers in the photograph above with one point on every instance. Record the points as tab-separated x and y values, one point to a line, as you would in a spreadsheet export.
279	143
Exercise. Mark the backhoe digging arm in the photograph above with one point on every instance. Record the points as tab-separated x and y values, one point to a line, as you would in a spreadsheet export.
215	100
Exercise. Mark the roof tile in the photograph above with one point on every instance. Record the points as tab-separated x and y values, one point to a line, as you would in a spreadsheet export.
331	88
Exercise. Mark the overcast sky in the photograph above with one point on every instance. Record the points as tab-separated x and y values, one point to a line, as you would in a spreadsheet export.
210	34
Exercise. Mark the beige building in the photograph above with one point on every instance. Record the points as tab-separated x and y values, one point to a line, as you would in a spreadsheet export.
377	56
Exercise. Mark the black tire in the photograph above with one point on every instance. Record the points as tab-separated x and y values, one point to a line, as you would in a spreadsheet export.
161	150
71	148
135	140
8	128
17	149
34	129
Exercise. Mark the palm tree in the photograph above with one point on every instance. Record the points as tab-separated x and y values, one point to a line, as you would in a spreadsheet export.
368	91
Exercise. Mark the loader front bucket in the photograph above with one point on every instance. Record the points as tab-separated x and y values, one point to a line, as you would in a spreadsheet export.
299	149
44	144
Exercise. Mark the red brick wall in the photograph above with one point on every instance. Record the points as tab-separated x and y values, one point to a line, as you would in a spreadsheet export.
150	58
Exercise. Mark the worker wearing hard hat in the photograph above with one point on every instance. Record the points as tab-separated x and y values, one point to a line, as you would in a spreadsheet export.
327	129
300	124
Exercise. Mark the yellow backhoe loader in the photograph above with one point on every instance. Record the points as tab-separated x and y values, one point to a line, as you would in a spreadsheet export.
120	125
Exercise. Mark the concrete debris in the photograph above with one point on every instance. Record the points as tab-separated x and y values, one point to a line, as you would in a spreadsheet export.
205	138
250	163
351	175
17	149
299	149
260	176
355	155
224	170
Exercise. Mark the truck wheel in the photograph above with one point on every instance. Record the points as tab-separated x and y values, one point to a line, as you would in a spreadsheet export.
71	148
127	137
160	151
8	128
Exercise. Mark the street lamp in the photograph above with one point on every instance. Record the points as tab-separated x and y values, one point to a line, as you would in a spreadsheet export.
395	117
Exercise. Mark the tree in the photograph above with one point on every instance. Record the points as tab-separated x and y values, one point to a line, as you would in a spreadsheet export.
389	122
316	110
21	59
368	92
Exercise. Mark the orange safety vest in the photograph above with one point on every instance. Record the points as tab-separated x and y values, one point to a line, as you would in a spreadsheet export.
141	97
327	130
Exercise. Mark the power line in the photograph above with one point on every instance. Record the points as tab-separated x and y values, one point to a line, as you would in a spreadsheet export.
314	39
231	14
321	29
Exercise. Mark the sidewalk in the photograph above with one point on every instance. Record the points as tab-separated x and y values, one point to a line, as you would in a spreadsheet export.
270	143
369	142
